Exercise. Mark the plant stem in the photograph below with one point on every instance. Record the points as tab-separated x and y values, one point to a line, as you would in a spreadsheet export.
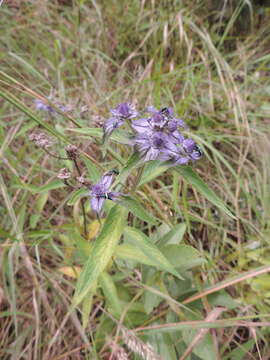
137	179
82	200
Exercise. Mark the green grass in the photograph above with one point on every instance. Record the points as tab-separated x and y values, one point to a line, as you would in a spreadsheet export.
187	256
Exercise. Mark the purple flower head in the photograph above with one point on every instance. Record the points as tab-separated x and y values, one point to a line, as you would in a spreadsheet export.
176	137
125	111
192	149
164	119
153	145
121	113
172	122
183	152
189	145
172	126
158	121
112	124
100	192
40	105
141	126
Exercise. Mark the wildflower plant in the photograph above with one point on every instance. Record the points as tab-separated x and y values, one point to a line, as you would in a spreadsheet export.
112	211
150	136
153	139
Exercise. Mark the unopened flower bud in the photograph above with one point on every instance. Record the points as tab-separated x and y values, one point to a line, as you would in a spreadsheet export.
64	174
83	181
41	140
72	152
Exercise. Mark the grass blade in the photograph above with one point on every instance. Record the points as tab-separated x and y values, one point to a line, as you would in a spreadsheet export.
194	179
18	104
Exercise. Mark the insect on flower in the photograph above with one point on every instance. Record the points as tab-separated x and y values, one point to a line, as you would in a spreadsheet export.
198	150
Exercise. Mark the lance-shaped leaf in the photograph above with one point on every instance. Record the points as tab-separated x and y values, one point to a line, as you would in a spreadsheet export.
118	136
152	170
137	209
150	250
194	179
101	253
132	162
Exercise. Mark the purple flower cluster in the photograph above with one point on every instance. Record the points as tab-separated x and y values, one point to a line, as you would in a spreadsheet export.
100	192
42	106
157	136
121	113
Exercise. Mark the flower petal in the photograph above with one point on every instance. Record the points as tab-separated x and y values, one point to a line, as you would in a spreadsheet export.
111	124
96	204
182	160
114	195
152	154
141	125
106	180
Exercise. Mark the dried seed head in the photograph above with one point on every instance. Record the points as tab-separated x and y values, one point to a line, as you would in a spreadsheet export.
118	352
64	174
41	140
83	181
72	152
146	351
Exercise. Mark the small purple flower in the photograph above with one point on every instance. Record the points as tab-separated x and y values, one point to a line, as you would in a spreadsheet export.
141	126
40	105
158	121
152	145
112	124
100	192
125	111
121	113
189	145
168	114
163	120
184	151
192	149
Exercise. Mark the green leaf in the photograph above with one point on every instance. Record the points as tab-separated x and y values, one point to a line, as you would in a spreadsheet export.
102	252
204	349
241	353
181	256
152	170
131	252
132	162
93	172
118	136
140	240
76	195
110	292
87	305
52	185
137	209
174	236
222	298
194	179
163	345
